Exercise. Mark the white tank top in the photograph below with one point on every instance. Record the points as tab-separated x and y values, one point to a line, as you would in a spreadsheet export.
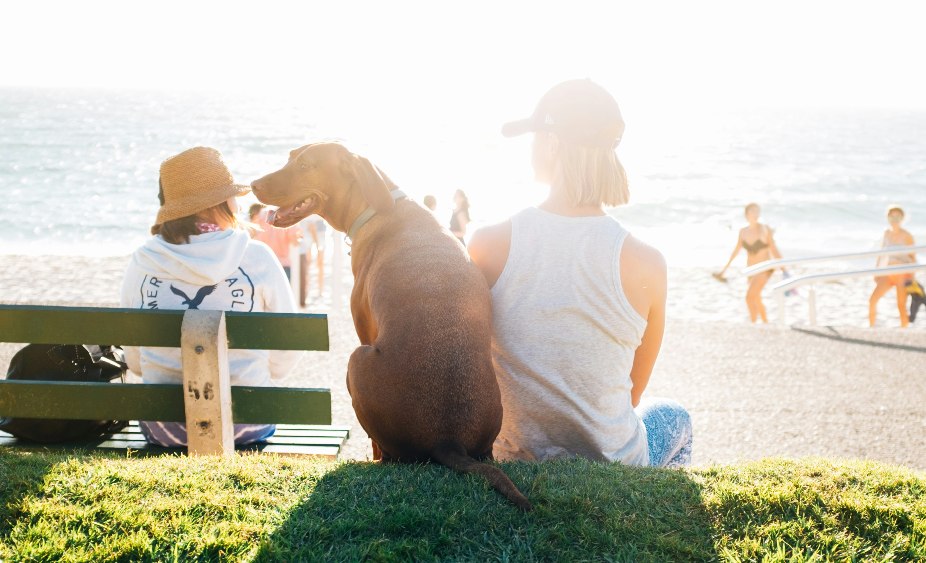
565	337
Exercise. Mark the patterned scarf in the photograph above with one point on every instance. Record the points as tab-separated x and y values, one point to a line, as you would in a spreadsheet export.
207	228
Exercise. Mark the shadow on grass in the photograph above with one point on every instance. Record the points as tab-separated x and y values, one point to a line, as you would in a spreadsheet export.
831	333
583	511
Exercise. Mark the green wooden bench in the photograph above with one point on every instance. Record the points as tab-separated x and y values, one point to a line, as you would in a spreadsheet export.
205	401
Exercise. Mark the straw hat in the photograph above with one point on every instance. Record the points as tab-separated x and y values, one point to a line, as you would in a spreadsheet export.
193	181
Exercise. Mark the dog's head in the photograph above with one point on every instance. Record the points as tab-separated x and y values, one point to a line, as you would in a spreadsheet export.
327	179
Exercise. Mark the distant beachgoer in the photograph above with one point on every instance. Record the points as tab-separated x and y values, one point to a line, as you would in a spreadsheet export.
430	202
253	214
280	241
895	236
460	217
578	303
199	258
314	232
759	244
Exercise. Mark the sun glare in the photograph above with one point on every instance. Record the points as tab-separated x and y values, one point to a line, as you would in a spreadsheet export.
423	88
674	53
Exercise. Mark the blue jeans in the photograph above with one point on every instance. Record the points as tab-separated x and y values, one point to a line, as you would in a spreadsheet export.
668	432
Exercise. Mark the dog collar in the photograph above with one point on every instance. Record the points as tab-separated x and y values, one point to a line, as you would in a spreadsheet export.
368	214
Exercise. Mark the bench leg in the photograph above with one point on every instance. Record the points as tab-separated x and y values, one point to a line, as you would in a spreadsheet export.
206	383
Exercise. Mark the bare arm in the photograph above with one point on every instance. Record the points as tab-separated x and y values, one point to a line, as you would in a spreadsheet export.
488	248
645	357
736	251
643	275
772	247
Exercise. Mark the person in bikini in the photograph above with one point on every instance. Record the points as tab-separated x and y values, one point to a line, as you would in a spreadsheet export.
893	237
759	244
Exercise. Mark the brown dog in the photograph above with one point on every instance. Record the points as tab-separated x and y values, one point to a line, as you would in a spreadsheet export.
422	382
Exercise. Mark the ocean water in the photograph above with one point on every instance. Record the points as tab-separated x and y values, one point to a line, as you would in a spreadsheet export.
78	168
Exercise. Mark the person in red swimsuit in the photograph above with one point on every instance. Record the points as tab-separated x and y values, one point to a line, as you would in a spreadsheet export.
757	239
893	236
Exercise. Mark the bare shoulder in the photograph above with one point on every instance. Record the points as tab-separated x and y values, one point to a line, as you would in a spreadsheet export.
488	247
492	234
643	258
643	276
907	236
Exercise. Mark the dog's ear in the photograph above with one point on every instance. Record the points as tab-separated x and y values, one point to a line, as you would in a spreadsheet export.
374	187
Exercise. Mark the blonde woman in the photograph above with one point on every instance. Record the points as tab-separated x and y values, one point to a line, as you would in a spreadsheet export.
578	303
894	236
757	240
200	258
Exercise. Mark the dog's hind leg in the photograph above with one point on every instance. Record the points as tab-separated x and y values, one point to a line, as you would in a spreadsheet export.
377	452
363	389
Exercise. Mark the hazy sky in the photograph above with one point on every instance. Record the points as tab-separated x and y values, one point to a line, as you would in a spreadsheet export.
461	56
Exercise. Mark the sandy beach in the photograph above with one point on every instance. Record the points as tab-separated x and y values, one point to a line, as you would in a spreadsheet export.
838	391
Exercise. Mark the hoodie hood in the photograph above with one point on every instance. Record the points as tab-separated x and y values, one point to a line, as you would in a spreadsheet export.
206	260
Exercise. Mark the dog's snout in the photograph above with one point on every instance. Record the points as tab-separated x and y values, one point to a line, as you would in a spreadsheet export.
259	188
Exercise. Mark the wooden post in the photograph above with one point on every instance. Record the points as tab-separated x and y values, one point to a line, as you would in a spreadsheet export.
206	383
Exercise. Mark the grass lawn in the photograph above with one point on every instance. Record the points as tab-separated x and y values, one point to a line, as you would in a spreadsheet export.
266	508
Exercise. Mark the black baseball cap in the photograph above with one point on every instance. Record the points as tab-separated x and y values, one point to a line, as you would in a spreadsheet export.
578	111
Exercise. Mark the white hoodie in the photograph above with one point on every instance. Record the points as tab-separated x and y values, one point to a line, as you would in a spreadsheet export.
224	271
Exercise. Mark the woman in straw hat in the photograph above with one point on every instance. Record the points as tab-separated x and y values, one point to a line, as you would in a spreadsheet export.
199	258
578	304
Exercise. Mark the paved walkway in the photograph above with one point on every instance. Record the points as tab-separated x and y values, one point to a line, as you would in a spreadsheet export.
771	391
757	391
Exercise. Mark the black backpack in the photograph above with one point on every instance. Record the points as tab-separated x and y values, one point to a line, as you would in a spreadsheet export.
64	362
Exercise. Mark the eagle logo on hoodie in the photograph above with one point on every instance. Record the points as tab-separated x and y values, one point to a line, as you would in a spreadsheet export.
201	294
235	293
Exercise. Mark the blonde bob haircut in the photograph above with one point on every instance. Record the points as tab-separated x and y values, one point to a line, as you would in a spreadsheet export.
592	175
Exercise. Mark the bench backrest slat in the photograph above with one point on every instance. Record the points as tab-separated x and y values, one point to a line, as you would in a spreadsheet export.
114	401
156	327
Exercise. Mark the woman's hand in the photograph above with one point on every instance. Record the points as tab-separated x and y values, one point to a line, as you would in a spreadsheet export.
719	276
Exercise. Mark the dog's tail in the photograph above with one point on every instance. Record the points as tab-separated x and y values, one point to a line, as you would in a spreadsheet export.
454	456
